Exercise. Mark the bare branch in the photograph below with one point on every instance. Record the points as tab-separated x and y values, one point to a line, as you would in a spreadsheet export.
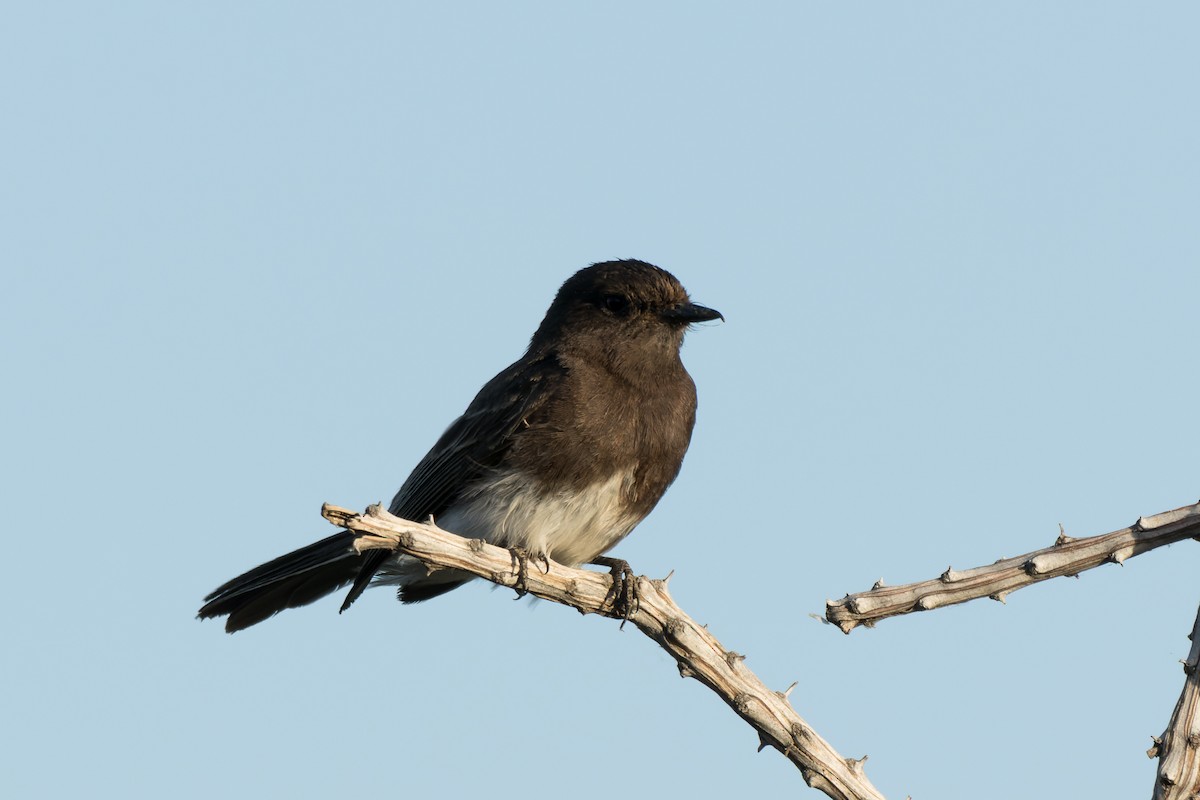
697	651
1178	758
1067	556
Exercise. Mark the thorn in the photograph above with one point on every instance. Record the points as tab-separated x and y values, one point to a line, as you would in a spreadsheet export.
1156	748
847	625
856	764
667	579
1062	537
879	584
685	671
999	597
1188	666
374	509
950	576
732	658
763	742
1118	556
786	692
820	618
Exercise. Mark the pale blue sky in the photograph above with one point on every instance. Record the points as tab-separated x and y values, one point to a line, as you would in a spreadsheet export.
258	255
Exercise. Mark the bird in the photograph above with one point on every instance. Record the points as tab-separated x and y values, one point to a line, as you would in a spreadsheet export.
559	456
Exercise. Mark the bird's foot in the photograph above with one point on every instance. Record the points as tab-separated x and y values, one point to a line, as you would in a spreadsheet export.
520	566
624	592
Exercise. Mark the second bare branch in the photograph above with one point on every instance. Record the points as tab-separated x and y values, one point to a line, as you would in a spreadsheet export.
1067	556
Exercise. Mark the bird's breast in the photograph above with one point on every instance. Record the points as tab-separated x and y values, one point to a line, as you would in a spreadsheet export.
571	526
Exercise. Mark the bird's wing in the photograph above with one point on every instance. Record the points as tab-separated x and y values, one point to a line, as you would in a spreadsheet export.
474	444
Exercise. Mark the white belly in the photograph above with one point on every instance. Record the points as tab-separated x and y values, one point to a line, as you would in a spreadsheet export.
513	512
571	529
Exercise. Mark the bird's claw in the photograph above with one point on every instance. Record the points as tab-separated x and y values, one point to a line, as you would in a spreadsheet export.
520	567
623	595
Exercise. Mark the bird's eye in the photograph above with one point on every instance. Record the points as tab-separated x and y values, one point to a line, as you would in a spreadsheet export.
616	303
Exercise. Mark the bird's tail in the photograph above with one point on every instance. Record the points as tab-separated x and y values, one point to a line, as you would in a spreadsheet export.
292	580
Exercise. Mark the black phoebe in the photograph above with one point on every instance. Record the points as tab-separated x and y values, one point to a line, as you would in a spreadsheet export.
559	456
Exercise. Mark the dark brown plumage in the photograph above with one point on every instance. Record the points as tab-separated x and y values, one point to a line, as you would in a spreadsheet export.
561	454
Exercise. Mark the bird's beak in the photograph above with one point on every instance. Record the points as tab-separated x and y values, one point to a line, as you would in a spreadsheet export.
691	312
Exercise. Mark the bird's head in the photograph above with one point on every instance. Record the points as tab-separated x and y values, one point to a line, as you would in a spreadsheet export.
621	306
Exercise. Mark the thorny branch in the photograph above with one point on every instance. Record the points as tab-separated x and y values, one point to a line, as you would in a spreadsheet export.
1067	556
697	651
1178	775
